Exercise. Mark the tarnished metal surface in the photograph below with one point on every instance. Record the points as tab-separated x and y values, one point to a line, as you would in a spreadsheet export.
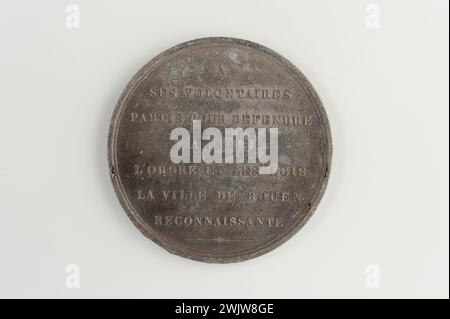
227	210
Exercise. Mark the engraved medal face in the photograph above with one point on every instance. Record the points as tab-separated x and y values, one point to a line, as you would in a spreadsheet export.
219	150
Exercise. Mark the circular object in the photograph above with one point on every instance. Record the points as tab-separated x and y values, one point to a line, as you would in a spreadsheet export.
219	150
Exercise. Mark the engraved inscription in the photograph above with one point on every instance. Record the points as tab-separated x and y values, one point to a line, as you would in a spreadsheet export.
214	221
220	119
226	93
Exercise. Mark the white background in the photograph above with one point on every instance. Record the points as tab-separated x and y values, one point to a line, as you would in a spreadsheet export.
386	94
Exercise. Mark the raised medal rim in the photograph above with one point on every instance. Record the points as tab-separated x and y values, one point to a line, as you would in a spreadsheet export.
146	229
